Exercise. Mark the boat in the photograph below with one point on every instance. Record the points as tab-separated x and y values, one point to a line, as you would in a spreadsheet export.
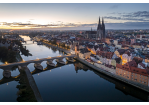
38	66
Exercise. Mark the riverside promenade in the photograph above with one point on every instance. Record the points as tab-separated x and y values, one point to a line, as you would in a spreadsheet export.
130	82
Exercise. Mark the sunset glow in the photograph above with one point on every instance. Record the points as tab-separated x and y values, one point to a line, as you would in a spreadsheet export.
72	15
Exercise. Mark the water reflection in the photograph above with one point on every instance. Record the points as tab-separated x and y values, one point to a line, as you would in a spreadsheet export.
123	87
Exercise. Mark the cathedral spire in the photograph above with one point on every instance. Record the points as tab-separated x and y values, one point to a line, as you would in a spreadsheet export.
91	28
102	21
103	28
99	25
99	20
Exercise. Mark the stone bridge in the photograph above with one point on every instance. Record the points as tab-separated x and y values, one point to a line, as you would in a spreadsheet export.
13	78
7	67
38	61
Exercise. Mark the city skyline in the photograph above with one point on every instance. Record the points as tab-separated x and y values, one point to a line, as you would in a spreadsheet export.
75	16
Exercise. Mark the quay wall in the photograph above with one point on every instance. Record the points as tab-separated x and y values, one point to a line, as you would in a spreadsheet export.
135	84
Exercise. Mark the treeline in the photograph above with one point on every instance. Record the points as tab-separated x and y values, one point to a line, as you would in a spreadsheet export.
23	50
7	55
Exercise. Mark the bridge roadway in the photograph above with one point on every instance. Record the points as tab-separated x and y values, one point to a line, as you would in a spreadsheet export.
25	63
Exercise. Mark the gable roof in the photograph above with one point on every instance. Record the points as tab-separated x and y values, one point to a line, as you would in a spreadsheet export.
121	51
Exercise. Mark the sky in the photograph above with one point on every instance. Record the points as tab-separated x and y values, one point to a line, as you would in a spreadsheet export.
74	16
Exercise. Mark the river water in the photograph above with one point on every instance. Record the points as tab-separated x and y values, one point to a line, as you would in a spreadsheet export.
73	82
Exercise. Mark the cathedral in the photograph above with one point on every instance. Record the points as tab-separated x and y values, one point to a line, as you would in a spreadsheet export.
101	30
99	34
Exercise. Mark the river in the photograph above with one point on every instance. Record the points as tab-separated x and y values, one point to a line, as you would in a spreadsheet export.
73	82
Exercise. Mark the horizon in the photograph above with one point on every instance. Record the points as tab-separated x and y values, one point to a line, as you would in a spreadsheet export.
74	16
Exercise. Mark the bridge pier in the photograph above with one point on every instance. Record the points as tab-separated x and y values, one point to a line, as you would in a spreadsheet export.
50	63
38	66
7	73
70	59
60	60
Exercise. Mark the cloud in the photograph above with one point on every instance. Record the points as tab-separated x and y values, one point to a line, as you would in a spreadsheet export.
126	18
127	25
142	16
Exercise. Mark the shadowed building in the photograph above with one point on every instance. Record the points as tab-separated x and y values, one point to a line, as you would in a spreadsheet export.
99	34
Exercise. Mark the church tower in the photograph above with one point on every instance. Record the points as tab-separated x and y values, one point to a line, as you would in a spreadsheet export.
100	30
103	29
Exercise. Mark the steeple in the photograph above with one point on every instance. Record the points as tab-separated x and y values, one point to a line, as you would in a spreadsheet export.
102	21
99	26
103	28
99	20
91	28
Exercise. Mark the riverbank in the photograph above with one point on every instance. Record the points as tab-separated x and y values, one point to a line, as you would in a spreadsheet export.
59	48
130	82
135	84
18	58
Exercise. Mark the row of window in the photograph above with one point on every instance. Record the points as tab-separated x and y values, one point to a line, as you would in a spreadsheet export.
139	81
132	73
